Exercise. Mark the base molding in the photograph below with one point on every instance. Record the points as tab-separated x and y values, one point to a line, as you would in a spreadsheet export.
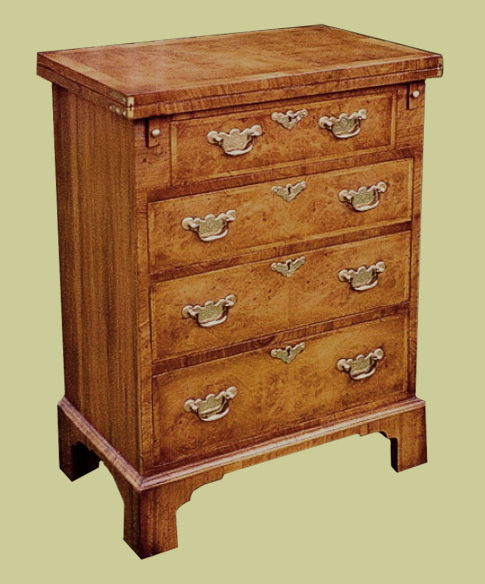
151	502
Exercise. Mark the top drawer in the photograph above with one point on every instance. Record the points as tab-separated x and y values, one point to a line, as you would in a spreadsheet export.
287	132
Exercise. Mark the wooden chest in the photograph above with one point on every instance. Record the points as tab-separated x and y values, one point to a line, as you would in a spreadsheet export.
239	241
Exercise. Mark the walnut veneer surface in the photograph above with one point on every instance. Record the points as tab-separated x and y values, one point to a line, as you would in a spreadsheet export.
239	239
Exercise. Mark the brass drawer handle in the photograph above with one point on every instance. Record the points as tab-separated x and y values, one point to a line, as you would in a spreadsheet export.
345	126
212	407
288	353
289	192
365	198
362	366
237	142
211	313
290	119
210	227
363	278
289	267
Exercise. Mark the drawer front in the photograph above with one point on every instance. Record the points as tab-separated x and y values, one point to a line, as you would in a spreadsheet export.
271	395
273	295
201	228
202	149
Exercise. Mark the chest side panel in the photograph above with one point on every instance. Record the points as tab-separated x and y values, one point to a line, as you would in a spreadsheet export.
98	265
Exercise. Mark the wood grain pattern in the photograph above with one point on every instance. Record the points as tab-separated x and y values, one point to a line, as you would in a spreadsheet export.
279	250
155	191
413	120
140	112
281	338
264	218
152	163
167	74
409	135
149	511
101	309
124	186
194	159
269	302
151	502
280	396
154	180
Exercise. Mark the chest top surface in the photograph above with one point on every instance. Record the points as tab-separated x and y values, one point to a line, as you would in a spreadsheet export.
203	67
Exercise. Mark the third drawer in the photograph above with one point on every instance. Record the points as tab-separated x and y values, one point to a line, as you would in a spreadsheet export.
219	308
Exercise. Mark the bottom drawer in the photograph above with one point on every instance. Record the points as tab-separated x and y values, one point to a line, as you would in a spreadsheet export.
264	395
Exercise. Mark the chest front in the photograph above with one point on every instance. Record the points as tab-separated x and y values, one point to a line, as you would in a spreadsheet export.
239	244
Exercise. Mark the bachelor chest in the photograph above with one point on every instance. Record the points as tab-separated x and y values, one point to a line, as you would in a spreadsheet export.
239	240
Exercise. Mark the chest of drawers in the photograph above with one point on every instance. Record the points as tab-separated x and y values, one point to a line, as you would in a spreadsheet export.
239	238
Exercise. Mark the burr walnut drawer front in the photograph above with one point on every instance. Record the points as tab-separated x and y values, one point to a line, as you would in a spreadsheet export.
244	142
222	307
199	228
219	405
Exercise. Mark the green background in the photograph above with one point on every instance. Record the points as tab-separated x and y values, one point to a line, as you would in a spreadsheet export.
337	513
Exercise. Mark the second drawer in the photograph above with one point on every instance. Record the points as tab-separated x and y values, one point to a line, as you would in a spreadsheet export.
211	226
219	308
